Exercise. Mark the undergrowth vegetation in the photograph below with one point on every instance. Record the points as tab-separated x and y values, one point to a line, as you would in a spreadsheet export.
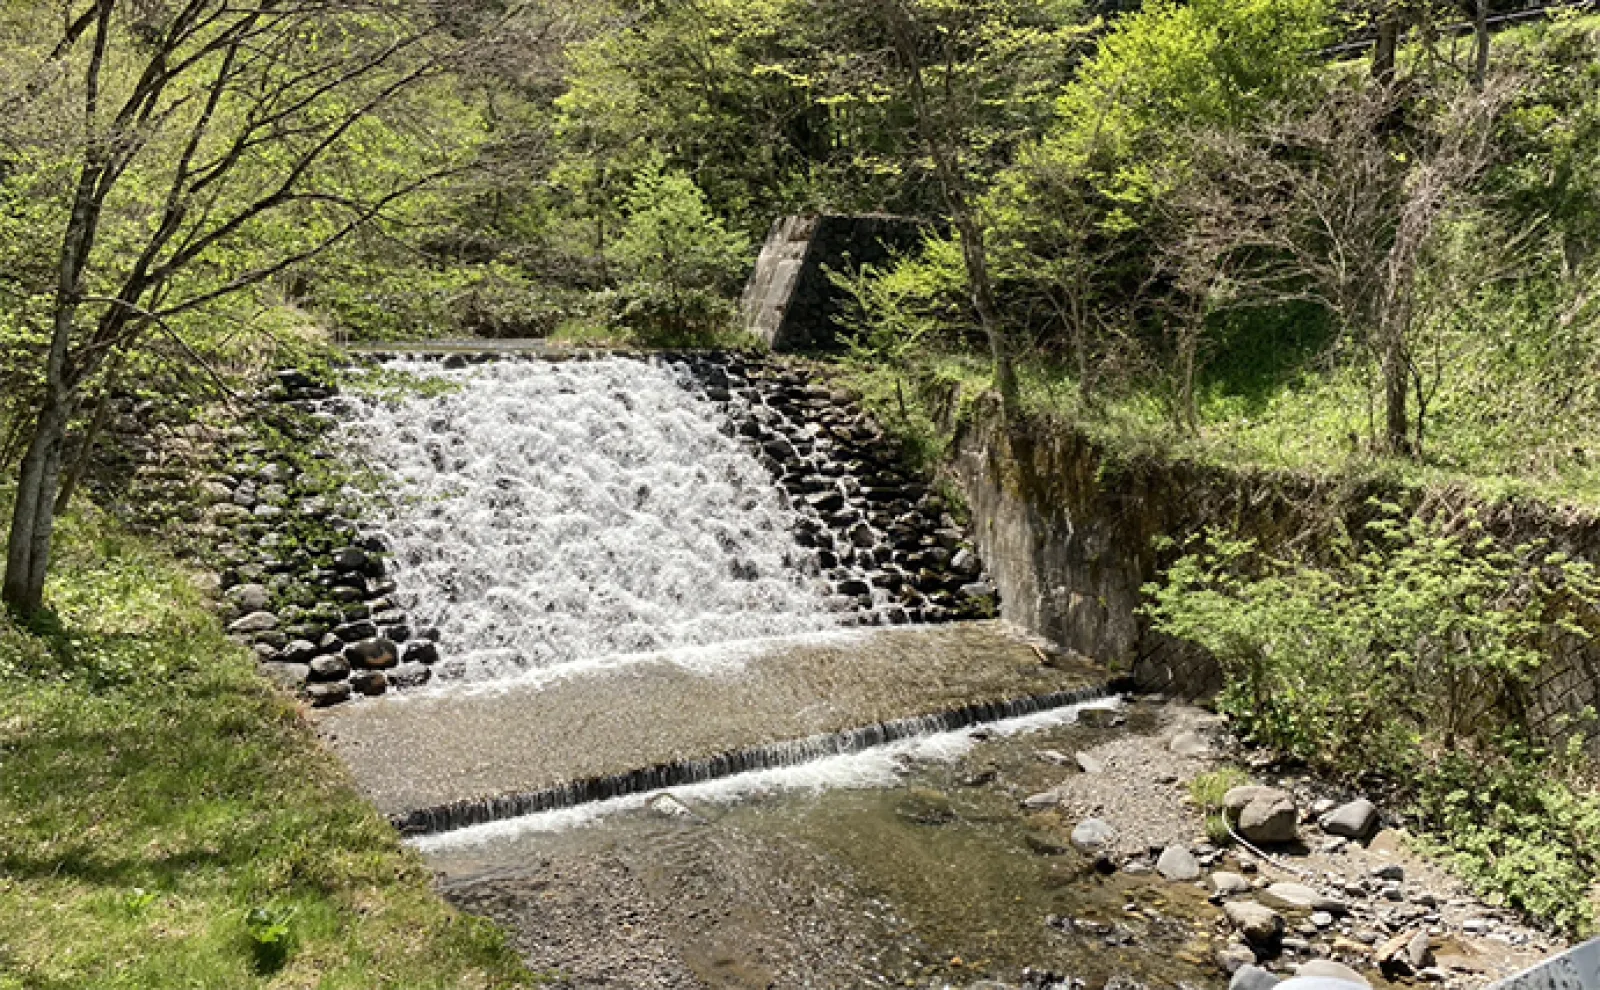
1404	658
167	819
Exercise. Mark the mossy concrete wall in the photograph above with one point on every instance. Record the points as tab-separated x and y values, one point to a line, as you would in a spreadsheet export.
1071	535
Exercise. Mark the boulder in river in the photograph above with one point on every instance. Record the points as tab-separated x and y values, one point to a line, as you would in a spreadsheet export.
1263	815
1256	922
1093	835
1356	820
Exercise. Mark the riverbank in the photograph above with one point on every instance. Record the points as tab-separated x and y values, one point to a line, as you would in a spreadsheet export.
168	820
957	867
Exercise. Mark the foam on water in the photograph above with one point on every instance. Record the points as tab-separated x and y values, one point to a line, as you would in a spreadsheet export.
544	514
881	766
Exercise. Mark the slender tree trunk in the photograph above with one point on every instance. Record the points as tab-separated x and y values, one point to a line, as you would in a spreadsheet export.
97	423
1480	29
974	253
1385	48
33	519
1396	388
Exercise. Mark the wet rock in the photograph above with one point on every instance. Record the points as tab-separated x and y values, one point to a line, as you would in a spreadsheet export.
354	632
410	675
1356	820
369	682
1226	884
1252	977
329	668
331	693
300	651
1093	835
1256	922
255	622
1389	871
350	559
421	651
373	654
1100	718
1263	815
1178	864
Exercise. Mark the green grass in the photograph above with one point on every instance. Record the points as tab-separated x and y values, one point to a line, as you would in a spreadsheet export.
1207	791
1312	425
167	820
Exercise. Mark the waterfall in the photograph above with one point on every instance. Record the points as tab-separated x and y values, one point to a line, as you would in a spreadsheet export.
540	514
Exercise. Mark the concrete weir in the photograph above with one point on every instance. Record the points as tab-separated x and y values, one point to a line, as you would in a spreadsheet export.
457	756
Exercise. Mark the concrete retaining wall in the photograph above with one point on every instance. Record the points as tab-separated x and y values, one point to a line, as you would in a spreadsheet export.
790	302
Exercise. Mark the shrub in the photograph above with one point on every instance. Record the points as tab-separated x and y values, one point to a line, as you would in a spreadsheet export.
679	260
1409	655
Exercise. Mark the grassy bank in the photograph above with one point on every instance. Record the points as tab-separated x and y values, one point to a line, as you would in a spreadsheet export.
1302	426
167	820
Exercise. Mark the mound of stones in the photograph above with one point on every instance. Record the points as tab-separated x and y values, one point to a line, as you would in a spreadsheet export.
302	587
888	546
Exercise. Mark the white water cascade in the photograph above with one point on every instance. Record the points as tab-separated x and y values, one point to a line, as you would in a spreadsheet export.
542	514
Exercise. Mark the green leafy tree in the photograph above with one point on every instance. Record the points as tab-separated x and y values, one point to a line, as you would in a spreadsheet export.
680	261
189	152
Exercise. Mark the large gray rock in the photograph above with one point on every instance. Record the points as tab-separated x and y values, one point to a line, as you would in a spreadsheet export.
255	622
1227	884
1234	955
250	598
1252	977
1263	815
1177	863
1356	820
1299	897
1256	922
1093	835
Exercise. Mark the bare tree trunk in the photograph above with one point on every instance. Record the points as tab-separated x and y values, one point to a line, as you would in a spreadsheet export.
1396	387
1480	29
1385	48
33	518
974	253
80	463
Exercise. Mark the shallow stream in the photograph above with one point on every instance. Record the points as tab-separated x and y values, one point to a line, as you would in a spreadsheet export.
915	867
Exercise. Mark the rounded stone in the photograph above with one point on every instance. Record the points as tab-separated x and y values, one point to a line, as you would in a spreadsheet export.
373	654
329	668
1093	835
332	693
1256	922
369	682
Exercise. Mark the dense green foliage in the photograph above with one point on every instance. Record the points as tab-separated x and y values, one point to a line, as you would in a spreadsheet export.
1406	659
170	821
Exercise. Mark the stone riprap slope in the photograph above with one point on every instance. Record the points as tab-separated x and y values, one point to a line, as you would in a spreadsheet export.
887	543
308	586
